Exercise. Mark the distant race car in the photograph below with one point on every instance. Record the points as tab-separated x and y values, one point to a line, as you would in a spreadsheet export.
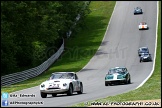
145	57
117	75
137	10
143	26
61	82
143	50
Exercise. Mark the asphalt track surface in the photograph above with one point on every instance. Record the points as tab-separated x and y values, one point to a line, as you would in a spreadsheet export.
119	48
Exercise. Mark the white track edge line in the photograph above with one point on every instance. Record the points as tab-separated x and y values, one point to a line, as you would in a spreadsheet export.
155	48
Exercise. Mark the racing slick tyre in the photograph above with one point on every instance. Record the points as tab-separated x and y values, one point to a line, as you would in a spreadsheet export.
43	95
70	91
54	94
129	81
106	84
81	89
126	81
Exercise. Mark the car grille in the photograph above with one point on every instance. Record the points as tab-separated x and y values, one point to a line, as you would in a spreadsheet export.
53	88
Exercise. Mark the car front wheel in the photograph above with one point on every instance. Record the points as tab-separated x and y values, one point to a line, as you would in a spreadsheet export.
70	91
43	95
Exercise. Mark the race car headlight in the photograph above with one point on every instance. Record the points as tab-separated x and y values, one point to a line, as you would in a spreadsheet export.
64	84
119	77
110	77
124	76
42	85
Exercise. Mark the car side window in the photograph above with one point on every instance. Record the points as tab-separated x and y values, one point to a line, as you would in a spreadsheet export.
70	75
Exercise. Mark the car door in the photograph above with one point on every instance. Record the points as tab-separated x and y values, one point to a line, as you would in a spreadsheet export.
74	82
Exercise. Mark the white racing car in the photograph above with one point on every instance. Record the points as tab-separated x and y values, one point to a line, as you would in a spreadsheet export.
143	26
61	82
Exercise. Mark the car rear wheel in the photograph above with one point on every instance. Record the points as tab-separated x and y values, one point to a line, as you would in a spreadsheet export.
70	91
43	95
54	94
81	89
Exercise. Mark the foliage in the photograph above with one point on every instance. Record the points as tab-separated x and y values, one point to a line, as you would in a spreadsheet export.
30	28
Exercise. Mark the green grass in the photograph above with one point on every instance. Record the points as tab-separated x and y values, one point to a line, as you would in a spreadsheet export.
150	90
79	49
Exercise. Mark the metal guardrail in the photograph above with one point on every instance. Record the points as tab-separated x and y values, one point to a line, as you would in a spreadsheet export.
33	72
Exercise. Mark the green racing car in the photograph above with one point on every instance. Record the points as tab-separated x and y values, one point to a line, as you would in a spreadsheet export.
117	75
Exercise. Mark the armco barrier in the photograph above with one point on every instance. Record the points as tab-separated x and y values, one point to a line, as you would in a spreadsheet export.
33	72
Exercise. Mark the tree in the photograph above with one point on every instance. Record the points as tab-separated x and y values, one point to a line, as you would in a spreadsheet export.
30	28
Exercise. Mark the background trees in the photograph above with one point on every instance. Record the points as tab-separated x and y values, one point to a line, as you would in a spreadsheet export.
30	28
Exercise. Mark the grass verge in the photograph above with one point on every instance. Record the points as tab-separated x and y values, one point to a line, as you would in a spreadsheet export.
79	49
150	90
